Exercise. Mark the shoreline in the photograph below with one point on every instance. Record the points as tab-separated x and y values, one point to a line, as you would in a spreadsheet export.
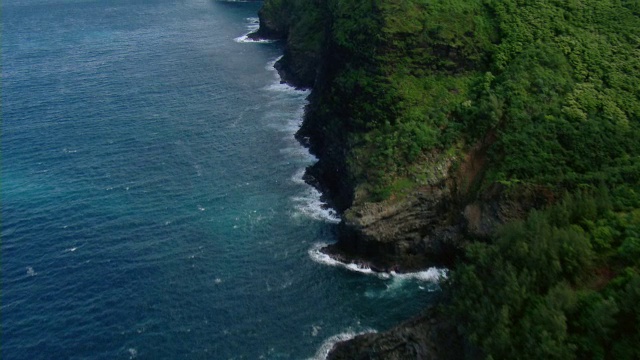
423	327
431	274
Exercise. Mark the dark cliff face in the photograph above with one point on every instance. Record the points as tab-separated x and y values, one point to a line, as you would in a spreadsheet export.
421	229
435	123
281	20
425	337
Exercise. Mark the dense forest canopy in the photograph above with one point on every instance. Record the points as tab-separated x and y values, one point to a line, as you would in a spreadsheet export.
551	90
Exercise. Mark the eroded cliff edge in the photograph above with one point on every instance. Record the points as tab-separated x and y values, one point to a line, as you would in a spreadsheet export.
403	216
435	123
412	229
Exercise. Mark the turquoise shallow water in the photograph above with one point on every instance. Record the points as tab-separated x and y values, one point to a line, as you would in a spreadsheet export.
152	202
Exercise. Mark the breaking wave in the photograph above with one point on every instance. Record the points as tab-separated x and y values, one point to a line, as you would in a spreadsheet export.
253	24
432	274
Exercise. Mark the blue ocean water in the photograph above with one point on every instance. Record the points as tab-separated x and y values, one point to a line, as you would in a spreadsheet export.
152	201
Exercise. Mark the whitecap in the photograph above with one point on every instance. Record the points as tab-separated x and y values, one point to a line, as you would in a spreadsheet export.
315	329
31	272
432	274
327	345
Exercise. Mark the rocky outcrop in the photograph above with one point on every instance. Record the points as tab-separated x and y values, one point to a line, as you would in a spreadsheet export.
401	235
274	24
298	67
427	337
300	61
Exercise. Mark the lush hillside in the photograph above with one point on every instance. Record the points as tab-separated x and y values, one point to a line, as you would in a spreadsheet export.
525	110
562	284
555	81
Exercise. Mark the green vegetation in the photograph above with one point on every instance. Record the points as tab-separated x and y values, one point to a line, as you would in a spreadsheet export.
557	81
551	88
563	284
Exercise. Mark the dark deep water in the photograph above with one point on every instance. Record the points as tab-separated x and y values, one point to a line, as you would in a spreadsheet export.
152	202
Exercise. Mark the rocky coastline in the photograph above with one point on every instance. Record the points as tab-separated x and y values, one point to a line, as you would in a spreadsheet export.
417	232
426	227
424	337
439	131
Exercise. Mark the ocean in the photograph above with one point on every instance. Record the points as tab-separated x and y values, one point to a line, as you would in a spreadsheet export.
153	205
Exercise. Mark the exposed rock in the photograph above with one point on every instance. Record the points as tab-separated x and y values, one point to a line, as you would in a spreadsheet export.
427	337
424	228
401	235
272	26
298	67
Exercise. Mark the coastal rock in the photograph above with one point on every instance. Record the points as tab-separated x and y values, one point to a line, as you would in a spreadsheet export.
425	227
405	235
427	337
299	64
298	67
273	26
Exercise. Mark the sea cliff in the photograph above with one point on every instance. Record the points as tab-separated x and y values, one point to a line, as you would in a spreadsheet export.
493	136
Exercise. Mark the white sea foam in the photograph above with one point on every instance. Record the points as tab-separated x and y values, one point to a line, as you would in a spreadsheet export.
31	272
315	329
247	39
286	88
432	274
309	203
301	155
298	177
290	128
283	87
253	24
271	65
322	258
327	345
311	206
